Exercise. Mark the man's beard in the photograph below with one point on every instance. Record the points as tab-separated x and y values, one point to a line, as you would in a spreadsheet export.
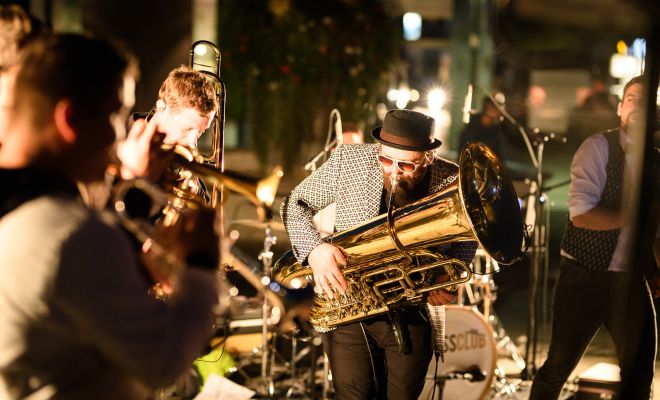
407	190
631	122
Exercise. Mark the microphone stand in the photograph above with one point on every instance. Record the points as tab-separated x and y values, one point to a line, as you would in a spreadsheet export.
329	145
311	165
537	220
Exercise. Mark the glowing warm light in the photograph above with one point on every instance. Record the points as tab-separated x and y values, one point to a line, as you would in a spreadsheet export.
437	98
536	96
412	26
621	47
392	94
265	280
234	234
414	95
275	315
233	291
200	50
265	195
623	65
267	187
296	283
381	110
402	98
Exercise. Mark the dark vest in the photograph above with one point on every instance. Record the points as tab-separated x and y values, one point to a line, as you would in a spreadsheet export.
594	249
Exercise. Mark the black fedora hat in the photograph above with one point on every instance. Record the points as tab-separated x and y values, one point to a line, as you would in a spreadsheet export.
407	130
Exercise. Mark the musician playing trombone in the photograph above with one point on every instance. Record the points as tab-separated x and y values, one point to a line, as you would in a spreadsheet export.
186	106
76	320
365	356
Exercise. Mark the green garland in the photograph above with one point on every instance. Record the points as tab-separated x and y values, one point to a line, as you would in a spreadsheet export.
286	62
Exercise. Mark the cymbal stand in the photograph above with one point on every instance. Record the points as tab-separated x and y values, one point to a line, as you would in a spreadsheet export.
267	357
538	219
481	290
297	384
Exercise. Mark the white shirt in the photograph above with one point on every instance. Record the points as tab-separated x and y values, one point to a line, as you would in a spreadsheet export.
74	312
588	177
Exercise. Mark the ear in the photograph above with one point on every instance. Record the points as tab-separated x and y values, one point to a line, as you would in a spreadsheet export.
618	109
62	116
160	105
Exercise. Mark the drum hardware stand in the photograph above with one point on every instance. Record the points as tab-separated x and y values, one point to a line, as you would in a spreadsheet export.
482	280
325	389
267	357
297	383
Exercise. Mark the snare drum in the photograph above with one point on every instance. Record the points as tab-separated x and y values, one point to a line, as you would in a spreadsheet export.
471	351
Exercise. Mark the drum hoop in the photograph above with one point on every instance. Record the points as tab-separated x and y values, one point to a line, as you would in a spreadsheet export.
491	339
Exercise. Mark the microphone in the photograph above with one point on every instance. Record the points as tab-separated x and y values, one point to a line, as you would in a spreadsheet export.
467	105
437	317
338	128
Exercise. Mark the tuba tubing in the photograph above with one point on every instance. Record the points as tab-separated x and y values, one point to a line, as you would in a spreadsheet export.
480	206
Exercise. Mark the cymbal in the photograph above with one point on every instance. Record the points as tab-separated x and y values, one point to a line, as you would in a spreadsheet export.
255	223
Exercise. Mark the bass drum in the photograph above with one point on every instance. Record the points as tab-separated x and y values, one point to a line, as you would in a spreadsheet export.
470	358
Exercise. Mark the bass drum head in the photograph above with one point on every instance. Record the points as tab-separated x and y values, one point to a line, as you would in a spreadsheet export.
470	348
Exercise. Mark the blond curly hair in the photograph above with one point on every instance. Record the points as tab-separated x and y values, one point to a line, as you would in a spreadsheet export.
185	87
15	25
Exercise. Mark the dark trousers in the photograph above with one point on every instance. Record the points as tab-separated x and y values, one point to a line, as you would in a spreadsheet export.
583	301
366	363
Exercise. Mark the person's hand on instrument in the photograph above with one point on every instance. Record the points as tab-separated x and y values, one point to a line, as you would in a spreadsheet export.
192	241
325	260
441	296
140	154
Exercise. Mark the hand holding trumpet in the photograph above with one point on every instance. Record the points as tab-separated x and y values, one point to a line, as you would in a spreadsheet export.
192	241
140	153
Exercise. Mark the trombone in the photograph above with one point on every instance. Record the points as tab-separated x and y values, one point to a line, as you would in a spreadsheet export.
205	57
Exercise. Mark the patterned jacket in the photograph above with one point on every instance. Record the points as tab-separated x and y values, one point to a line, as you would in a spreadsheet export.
352	178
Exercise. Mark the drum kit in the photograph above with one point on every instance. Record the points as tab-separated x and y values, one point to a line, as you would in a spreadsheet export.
282	357
276	354
477	345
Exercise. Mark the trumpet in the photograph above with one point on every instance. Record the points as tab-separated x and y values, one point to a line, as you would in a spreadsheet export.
174	201
260	192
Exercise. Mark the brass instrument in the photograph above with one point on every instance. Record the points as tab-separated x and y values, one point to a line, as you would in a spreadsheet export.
390	259
205	57
190	165
260	192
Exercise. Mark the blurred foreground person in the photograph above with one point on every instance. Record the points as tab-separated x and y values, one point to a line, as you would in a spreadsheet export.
597	286
17	28
75	317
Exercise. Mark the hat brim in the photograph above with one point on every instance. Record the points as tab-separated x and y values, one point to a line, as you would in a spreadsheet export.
375	133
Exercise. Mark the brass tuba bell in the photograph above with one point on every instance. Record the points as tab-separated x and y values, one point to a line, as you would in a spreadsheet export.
482	205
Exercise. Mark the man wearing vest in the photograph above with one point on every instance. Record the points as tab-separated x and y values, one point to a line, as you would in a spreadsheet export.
597	285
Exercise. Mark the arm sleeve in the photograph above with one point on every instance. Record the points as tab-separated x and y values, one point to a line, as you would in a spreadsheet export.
587	175
313	194
104	294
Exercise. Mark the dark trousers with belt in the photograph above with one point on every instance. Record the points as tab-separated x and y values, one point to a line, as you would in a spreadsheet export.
366	363
584	300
